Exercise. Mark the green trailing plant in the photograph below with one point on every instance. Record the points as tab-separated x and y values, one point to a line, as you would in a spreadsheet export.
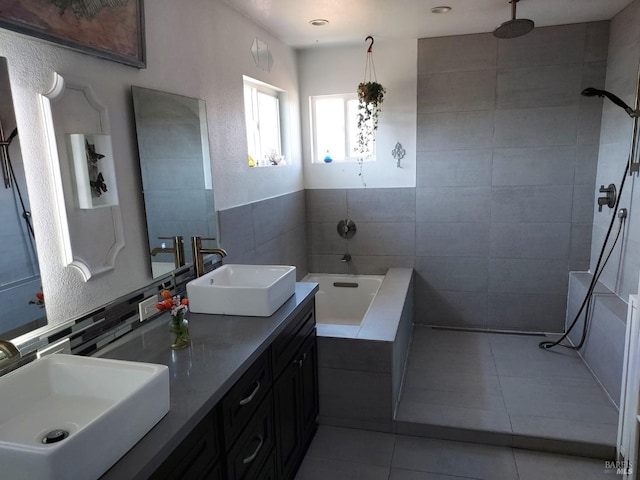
370	98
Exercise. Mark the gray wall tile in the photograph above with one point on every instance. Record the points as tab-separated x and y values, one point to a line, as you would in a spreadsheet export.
530	240
463	274
460	168
455	131
458	53
528	276
580	248
452	239
329	205
452	309
236	229
453	204
323	238
534	166
531	204
537	313
381	205
383	239
456	91
536	127
541	86
544	46
584	200
597	42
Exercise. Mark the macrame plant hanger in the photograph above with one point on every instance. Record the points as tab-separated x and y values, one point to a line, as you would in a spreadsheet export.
369	66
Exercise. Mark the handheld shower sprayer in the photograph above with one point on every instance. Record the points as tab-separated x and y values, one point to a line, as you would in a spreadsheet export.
594	92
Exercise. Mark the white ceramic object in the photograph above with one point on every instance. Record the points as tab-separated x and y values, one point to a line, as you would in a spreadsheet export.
106	406
246	290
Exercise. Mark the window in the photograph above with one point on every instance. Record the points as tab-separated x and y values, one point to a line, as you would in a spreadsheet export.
262	107
334	129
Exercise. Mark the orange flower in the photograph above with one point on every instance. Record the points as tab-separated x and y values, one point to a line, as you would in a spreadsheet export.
168	303
166	294
184	301
160	306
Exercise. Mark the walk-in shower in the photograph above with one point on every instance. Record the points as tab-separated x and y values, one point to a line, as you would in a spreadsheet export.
619	213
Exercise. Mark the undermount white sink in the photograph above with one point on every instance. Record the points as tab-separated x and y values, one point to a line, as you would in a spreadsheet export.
247	290
106	406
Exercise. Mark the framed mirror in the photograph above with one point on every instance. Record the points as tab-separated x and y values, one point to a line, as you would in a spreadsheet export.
175	167
20	285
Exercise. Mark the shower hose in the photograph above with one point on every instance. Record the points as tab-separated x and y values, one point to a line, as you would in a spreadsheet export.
601	263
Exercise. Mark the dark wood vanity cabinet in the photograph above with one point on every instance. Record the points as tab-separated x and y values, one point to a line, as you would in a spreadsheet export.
197	457
262	427
296	407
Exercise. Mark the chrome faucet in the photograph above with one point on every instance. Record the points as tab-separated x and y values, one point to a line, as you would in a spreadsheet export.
199	251
177	249
11	353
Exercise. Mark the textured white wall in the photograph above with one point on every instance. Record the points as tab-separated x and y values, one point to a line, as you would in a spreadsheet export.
332	70
200	50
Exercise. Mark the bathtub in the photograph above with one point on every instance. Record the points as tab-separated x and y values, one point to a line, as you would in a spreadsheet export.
344	299
363	327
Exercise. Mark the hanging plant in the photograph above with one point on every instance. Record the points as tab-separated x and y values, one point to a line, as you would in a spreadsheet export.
370	98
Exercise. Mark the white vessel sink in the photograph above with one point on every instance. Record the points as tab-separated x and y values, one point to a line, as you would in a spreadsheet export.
247	290
106	406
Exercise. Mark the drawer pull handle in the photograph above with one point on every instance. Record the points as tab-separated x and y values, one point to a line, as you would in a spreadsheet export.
253	456
244	401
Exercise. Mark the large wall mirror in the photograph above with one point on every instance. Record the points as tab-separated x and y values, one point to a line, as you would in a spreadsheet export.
20	285
176	174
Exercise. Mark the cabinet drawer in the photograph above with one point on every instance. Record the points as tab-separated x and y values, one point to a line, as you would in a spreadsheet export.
291	339
195	457
244	398
254	445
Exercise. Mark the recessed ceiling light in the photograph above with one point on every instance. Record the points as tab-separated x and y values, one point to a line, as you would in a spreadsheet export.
319	22
442	9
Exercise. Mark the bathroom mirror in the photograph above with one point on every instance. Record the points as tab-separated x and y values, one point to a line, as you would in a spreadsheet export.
20	285
176	174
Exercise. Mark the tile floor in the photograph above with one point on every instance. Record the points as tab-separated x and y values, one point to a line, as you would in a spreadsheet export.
346	454
506	388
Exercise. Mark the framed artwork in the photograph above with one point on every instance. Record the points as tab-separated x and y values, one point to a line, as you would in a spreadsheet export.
111	29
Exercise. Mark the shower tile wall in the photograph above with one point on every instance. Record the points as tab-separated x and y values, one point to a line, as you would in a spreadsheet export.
271	231
621	274
506	170
506	166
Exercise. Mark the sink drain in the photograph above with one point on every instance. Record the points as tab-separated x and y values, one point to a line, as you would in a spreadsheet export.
55	436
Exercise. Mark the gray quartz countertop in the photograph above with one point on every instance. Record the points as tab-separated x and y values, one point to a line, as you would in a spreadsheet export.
222	348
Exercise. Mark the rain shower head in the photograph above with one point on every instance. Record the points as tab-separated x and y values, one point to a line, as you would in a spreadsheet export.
516	27
594	92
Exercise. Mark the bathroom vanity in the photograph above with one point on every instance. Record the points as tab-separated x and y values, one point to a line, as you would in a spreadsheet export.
244	395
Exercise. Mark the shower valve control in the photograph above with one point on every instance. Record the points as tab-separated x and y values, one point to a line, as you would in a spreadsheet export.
609	197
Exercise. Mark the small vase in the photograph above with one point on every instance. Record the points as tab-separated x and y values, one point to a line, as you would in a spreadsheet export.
179	331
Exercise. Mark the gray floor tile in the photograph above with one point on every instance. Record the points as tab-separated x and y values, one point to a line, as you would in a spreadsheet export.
444	378
538	465
324	469
481	398
346	444
517	390
454	417
557	368
401	474
563	428
454	458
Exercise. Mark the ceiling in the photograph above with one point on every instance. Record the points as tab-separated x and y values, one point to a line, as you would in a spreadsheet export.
350	21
